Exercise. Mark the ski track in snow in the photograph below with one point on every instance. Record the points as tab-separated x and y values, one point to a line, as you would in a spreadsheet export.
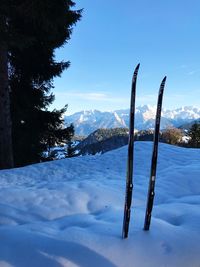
69	212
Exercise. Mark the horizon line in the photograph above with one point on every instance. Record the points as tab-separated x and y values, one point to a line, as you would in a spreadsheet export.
145	105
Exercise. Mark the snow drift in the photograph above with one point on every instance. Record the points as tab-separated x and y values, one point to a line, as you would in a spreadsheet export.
69	212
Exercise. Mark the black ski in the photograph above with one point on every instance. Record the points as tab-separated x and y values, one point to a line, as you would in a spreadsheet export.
129	175
151	193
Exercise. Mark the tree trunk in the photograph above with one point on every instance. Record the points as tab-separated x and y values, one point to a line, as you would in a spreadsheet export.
6	152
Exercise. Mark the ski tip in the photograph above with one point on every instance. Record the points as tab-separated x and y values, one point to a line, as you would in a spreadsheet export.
164	79
137	67
136	71
162	85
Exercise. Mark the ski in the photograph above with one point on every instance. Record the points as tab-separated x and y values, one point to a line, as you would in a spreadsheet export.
129	175
151	193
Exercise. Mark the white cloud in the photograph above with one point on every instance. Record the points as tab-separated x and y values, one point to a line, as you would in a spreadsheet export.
193	72
90	96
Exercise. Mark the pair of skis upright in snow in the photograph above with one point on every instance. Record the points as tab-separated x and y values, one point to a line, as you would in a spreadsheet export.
129	177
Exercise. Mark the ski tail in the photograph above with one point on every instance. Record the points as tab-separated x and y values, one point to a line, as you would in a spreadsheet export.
129	175
151	192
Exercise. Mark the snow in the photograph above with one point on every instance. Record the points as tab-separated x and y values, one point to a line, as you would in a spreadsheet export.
120	120
86	122
69	212
147	112
185	139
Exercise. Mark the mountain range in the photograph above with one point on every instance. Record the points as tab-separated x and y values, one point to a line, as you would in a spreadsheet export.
85	122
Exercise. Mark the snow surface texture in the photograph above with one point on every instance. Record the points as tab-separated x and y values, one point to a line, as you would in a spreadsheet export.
70	212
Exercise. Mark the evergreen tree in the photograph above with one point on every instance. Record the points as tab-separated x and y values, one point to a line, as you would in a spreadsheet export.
34	30
194	134
70	149
6	153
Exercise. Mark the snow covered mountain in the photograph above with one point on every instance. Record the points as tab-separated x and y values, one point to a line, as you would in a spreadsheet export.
69	213
86	122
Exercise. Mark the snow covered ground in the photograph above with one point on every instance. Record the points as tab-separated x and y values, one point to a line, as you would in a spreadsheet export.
69	212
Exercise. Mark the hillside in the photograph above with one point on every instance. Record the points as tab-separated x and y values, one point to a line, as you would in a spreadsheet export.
103	140
187	126
69	212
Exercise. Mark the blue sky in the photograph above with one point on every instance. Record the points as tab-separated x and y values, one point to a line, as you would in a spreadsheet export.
113	36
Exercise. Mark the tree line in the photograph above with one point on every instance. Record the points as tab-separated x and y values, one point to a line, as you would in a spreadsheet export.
174	136
103	140
30	32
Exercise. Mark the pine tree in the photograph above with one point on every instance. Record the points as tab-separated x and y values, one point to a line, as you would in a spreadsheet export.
194	134
34	29
70	149
6	153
